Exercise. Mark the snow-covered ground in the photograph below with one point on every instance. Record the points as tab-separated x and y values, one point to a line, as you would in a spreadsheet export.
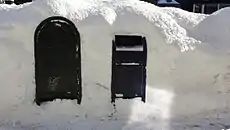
188	67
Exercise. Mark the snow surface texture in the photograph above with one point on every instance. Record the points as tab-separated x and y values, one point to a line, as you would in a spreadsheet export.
187	90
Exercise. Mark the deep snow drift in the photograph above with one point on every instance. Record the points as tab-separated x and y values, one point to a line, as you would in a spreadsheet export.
188	90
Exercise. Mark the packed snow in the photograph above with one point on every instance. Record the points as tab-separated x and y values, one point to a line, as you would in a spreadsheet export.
188	71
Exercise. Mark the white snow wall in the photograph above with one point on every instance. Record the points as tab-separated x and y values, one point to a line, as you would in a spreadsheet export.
180	85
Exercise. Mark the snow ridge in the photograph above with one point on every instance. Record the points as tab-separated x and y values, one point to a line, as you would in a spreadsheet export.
165	19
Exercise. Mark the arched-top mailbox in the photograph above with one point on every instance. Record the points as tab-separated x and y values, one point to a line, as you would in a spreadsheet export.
129	67
57	60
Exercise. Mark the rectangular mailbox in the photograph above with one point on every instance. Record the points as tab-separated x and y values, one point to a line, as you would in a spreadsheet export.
129	56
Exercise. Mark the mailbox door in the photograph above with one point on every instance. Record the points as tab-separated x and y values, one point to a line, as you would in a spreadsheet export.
57	60
129	81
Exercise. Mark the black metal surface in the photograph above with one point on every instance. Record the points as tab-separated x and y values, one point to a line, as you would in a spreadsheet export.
128	67
9	2
18	2
57	60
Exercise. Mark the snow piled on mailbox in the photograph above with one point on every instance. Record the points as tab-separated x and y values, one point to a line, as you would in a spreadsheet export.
109	10
184	89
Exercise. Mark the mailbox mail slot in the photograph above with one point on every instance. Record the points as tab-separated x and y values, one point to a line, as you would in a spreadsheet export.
129	55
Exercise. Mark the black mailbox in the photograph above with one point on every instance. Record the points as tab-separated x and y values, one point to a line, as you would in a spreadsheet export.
129	55
57	60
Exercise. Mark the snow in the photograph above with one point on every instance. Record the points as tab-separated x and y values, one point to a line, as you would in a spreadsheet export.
188	90
222	28
109	10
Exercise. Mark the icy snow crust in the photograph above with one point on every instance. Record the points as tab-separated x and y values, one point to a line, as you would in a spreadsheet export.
187	90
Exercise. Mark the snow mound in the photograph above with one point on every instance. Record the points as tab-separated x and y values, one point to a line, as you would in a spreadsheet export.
185	19
215	30
109	10
175	80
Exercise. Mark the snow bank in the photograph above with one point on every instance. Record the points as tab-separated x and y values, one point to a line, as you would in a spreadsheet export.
215	30
79	10
180	85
